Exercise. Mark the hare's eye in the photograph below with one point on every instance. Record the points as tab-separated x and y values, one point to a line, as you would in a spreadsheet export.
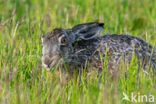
63	40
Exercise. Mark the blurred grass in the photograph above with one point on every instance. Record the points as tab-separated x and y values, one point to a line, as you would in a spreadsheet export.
22	22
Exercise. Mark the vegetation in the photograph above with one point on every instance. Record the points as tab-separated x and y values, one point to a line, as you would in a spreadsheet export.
24	81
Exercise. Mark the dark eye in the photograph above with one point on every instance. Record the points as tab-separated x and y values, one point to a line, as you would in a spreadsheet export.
63	40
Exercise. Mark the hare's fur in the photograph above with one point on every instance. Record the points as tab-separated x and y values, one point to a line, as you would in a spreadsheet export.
79	45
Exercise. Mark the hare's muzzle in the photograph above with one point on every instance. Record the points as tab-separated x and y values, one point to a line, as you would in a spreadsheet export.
46	61
49	62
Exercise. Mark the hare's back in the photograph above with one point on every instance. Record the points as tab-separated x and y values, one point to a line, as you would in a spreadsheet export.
119	45
125	42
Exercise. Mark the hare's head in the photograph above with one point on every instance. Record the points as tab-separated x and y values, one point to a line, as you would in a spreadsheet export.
57	45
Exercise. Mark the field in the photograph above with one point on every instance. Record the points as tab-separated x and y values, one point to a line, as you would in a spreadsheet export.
24	81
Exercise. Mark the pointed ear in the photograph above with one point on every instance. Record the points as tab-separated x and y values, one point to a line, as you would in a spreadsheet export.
87	30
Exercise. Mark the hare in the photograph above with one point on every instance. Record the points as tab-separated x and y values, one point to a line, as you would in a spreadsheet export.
78	45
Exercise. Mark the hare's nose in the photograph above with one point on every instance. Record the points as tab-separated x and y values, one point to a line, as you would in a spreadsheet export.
46	60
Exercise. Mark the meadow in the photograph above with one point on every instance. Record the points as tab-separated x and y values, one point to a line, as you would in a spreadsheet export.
24	81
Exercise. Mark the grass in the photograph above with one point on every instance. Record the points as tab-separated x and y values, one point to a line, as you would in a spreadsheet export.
22	79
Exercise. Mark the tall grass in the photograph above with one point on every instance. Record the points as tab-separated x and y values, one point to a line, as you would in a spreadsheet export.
22	79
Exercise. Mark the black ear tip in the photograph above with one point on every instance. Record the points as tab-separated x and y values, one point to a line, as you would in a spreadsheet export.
101	24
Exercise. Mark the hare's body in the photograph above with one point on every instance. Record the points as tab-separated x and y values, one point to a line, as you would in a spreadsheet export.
113	47
79	45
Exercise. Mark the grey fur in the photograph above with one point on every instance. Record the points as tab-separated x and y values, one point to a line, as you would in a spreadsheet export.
82	45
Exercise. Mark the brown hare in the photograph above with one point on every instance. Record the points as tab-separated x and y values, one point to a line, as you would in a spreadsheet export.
79	45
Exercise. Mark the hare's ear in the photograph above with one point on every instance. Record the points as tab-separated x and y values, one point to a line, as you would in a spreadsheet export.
88	30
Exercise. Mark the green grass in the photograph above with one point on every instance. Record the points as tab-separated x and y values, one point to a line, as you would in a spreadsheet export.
22	79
